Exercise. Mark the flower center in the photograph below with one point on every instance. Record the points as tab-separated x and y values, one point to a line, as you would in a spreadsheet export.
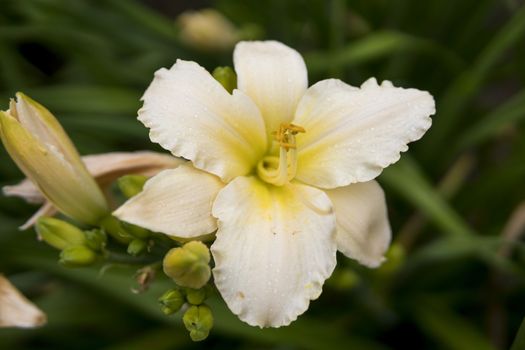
278	170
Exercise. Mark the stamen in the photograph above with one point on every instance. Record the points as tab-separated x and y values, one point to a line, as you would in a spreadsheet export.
285	167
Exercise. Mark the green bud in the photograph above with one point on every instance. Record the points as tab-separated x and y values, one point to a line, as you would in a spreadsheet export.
188	265
114	228
395	257
171	301
198	320
137	247
58	233
76	256
227	77
344	279
96	239
135	230
195	296
131	185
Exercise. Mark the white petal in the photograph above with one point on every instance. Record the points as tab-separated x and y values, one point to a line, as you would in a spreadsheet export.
352	134
26	190
274	76
107	167
176	202
16	310
363	230
190	114
47	209
274	249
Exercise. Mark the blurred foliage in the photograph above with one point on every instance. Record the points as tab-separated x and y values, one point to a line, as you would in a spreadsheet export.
454	199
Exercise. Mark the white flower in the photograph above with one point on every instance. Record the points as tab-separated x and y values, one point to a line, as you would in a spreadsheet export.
284	173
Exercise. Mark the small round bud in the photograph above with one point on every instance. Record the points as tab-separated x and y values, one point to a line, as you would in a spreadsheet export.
227	77
136	231
114	228
188	265
195	296
77	256
137	247
198	320
58	233
96	239
131	185
395	257
344	279
171	301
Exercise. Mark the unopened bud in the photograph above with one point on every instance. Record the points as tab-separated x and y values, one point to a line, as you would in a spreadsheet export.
395	257
96	239
114	228
137	247
77	256
135	231
40	147
188	265
131	185
195	296
227	77
344	279
198	320
171	301
207	30
58	233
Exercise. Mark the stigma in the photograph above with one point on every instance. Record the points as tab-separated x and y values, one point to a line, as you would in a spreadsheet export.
278	170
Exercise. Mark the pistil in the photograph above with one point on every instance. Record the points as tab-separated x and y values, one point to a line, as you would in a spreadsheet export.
280	170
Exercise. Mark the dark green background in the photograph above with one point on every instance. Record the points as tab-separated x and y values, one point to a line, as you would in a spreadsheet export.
451	198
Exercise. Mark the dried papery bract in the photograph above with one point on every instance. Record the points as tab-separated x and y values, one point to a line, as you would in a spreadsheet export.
16	310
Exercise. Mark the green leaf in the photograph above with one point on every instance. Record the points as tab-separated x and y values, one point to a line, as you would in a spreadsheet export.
376	45
519	340
409	181
492	124
449	329
468	84
87	99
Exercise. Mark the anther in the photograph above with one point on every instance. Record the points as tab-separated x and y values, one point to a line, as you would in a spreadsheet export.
283	135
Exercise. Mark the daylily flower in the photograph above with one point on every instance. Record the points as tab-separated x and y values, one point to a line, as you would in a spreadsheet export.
105	169
16	310
282	172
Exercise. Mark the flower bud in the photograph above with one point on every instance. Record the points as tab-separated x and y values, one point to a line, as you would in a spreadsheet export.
198	320
395	257
114	228
171	301
96	239
40	147
188	265
207	30
58	233
77	256
227	77
137	247
131	185
195	296
135	231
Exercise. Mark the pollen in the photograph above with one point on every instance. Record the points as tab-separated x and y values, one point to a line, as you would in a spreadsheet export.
284	135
